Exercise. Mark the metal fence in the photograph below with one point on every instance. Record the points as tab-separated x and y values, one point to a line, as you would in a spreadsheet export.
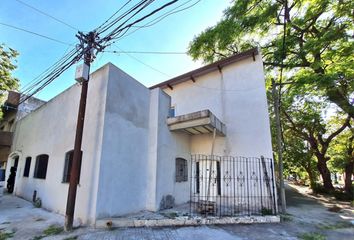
232	186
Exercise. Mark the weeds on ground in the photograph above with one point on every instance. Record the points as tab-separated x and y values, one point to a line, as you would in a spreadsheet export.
266	211
337	225
171	215
53	230
286	217
6	235
312	236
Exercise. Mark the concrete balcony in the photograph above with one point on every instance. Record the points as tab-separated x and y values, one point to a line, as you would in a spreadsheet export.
5	139
201	122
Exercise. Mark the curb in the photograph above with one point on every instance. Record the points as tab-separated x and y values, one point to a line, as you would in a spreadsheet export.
182	221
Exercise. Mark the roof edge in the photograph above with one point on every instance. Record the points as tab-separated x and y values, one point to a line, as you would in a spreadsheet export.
206	69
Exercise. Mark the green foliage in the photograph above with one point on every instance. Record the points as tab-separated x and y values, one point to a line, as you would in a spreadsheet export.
318	45
53	230
7	66
312	236
286	217
266	211
334	226
6	235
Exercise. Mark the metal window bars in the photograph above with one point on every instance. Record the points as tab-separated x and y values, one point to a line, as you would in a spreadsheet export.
231	186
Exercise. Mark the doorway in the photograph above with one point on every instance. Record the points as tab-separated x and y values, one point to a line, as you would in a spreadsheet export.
12	176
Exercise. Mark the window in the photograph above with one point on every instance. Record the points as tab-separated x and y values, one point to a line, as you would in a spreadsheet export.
181	170
68	164
172	112
40	170
27	167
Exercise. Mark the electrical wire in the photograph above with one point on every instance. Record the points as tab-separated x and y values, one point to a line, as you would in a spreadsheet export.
147	52
99	27
34	33
115	21
51	73
147	65
115	33
160	18
38	76
48	15
172	11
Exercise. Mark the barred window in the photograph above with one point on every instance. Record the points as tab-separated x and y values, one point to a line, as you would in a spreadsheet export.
40	170
181	170
68	164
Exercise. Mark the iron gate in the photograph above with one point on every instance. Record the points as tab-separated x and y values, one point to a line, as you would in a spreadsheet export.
232	186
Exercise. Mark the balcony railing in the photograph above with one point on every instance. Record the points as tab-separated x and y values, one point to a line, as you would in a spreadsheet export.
195	123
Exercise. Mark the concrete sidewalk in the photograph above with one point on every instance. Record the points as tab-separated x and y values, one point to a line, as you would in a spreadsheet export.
307	217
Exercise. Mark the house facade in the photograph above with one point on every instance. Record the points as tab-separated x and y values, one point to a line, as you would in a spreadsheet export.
202	137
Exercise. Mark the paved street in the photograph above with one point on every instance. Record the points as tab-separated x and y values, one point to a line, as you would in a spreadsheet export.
307	215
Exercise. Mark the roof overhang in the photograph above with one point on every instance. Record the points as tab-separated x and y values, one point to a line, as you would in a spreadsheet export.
201	122
207	69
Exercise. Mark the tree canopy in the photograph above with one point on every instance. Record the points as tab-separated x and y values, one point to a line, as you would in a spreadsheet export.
312	42
7	66
318	44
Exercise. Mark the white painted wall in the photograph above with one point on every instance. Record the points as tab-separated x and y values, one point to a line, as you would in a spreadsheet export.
237	96
123	167
129	153
50	130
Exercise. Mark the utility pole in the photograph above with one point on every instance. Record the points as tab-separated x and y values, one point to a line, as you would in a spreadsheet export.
89	41
279	147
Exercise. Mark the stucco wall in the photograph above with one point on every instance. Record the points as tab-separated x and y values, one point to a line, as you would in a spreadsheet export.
123	167
51	130
166	147
237	96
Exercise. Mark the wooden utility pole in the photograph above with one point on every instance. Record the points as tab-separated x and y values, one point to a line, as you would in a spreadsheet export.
89	41
279	147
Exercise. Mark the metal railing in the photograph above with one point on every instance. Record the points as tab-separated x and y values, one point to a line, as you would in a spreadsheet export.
232	186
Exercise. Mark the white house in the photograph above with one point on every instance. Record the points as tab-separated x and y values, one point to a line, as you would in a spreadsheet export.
196	138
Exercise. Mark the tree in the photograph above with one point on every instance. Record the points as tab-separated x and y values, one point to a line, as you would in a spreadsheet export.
298	158
7	81
319	43
305	116
342	156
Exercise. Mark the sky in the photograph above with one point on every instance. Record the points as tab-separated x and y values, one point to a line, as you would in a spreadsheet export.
174	33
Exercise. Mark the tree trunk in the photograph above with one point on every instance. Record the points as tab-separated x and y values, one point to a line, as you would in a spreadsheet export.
349	167
325	174
311	178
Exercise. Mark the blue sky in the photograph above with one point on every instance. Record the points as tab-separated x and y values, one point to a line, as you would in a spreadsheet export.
36	54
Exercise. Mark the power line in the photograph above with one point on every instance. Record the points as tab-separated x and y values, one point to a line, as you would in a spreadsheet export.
160	18
98	44
147	52
172	11
112	15
34	33
115	33
48	15
147	65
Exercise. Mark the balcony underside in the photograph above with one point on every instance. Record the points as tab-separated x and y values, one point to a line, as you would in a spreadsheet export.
201	122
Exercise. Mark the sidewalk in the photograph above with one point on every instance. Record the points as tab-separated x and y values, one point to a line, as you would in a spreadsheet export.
308	216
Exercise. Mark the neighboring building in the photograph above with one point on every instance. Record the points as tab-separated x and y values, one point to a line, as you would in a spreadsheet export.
12	112
149	149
